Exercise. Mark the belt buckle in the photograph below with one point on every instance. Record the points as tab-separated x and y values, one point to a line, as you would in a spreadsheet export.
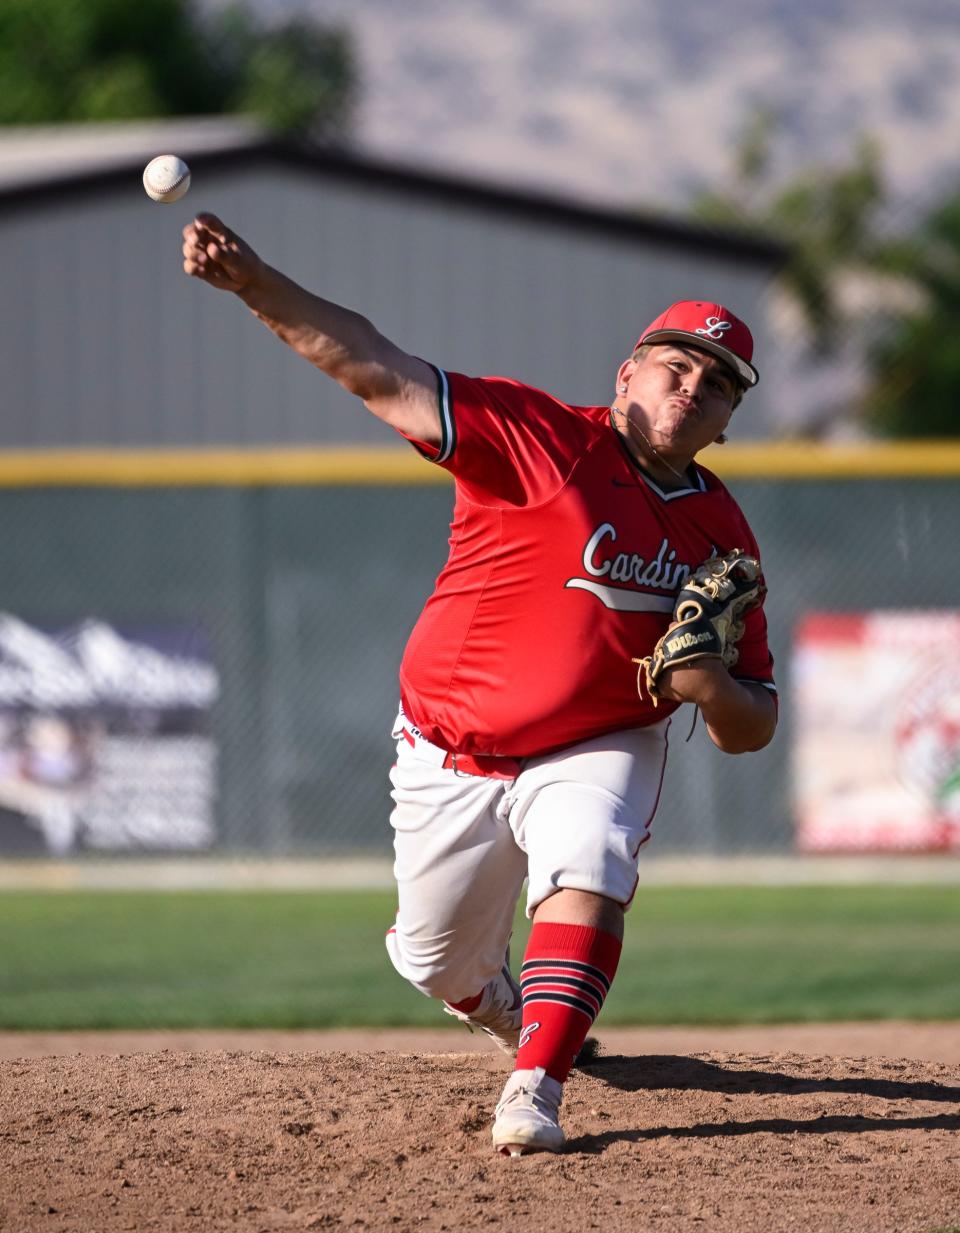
455	768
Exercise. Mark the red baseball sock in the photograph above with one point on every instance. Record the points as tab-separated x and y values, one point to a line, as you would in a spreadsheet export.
566	974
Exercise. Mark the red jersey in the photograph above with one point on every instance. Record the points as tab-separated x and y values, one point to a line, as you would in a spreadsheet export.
565	562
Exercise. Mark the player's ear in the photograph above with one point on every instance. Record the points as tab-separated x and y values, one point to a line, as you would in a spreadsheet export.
624	373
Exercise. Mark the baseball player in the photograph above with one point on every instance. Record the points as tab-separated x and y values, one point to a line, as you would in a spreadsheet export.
583	539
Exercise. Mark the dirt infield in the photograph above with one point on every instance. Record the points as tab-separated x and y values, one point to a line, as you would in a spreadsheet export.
191	1139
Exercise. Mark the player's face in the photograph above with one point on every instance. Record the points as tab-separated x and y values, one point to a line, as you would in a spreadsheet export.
681	398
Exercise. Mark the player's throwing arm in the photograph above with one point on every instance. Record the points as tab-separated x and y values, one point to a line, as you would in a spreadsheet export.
398	388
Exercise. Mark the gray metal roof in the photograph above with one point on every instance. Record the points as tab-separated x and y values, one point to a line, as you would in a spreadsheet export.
40	164
35	156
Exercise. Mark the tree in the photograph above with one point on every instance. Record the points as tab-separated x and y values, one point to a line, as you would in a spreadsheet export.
827	216
886	307
73	60
298	79
901	328
915	383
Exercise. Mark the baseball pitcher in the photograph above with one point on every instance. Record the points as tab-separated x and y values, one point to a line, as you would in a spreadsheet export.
598	577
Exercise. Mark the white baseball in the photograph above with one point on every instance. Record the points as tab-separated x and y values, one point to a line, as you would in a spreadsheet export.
166	178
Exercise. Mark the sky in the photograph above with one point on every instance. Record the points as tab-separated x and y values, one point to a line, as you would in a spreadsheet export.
640	104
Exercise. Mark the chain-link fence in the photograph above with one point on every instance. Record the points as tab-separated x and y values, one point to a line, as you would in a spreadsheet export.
236	689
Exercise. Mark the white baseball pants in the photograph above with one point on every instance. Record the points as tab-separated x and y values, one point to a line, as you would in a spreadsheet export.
570	820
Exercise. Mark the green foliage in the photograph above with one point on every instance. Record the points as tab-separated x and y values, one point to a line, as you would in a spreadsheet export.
826	215
691	955
907	331
297	80
915	389
75	60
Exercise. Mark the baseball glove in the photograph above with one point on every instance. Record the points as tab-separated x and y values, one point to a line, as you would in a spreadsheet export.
707	618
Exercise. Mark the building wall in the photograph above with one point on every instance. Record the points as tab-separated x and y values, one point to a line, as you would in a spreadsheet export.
106	342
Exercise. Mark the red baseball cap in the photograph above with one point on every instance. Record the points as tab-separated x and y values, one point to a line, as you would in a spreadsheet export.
711	327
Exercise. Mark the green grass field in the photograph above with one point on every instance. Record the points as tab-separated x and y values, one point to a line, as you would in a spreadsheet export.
264	959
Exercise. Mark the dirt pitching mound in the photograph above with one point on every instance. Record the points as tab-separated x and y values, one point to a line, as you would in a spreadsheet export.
264	1141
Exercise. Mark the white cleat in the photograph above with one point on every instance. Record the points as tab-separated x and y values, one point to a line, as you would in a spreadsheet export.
500	1013
527	1117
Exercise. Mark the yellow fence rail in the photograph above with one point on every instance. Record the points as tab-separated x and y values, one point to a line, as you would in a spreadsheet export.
398	466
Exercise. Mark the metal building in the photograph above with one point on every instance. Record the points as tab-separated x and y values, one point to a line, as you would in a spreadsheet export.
105	342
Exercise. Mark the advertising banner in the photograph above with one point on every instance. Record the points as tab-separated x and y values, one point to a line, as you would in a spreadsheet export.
876	760
105	738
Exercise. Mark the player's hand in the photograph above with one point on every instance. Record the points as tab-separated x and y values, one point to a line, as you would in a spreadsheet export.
216	255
